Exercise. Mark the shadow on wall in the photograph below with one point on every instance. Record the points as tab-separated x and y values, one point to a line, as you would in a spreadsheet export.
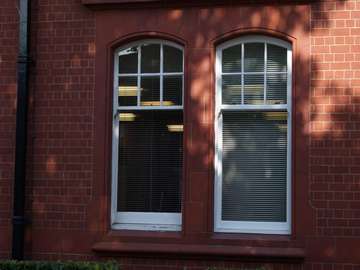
333	111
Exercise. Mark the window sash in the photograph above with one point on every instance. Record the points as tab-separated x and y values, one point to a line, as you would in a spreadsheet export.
140	75
247	226
150	221
147	221
242	42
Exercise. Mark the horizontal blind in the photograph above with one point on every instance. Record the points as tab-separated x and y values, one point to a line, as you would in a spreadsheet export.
128	60
276	58
231	89
254	166
276	88
254	57
150	58
254	89
231	59
172	90
150	161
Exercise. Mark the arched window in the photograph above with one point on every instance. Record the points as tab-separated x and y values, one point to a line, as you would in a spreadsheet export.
253	133
148	136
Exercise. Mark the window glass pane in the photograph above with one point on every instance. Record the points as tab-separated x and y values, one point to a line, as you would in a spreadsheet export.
150	161
254	57
150	58
231	89
172	89
150	91
276	58
128	60
231	59
254	166
254	89
127	91
276	88
173	59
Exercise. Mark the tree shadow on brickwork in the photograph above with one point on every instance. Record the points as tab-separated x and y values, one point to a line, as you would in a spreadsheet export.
328	118
331	132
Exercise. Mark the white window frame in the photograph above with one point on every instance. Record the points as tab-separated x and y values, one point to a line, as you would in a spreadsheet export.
244	226
147	221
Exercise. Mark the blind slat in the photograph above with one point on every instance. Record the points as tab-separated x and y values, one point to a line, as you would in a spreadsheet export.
254	166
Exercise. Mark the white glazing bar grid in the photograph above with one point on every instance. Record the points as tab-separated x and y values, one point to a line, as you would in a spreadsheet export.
242	74
138	77
265	63
152	74
254	73
161	74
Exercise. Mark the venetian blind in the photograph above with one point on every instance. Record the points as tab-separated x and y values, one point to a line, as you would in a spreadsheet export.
254	166
150	161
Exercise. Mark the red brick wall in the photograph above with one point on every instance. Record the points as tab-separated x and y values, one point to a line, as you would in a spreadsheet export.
62	136
62	117
61	126
335	128
8	54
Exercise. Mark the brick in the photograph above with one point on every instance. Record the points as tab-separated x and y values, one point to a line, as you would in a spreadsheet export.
62	150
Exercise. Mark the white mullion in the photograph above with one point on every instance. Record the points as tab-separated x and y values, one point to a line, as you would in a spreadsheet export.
262	107
218	144
144	108
161	74
182	90
115	141
116	86
183	77
265	70
128	74
218	91
288	76
253	73
289	149
218	171
150	74
242	73
139	77
173	73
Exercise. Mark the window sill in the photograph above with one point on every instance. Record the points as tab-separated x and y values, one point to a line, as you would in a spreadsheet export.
294	254
110	4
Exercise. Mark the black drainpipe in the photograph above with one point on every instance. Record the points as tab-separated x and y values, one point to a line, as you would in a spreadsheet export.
21	132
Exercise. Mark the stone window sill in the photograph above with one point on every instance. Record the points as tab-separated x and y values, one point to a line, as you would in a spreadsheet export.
202	250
